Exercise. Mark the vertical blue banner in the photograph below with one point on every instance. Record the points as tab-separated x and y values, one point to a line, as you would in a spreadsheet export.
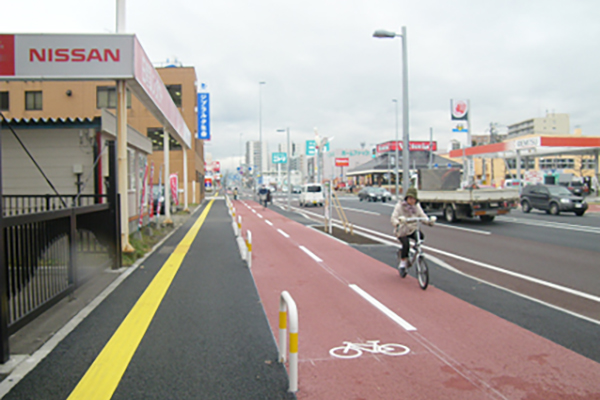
203	116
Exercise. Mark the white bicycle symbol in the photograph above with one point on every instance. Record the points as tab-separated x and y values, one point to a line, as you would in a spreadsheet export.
353	350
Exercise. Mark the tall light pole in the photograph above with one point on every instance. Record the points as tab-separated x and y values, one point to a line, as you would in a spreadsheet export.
260	143
396	145
289	160
405	141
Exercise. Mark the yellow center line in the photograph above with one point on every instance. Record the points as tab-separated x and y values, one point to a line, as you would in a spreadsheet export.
102	378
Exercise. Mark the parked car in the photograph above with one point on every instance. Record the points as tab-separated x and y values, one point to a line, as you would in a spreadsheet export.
551	198
370	193
576	187
296	189
312	194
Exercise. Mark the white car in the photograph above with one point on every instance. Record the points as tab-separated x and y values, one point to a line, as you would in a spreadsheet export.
312	194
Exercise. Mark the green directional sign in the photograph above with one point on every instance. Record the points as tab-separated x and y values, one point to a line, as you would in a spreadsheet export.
279	158
311	147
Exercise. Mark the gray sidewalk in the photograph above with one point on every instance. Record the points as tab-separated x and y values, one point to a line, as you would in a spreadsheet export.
209	339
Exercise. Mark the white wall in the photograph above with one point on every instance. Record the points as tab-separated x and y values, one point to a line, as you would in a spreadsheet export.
56	151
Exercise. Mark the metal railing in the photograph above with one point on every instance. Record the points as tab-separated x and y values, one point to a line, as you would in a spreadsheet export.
48	245
30	204
41	258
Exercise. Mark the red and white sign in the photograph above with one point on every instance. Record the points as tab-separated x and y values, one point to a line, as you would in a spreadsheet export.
213	166
459	109
36	56
92	57
413	146
342	162
173	178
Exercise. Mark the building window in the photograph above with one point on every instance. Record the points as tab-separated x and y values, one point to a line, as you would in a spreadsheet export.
588	163
526	163
4	106
156	136
557	163
175	92
106	97
33	100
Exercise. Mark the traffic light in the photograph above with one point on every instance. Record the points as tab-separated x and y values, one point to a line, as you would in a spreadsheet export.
374	152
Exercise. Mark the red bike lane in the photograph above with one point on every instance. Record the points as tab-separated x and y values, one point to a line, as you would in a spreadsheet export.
457	351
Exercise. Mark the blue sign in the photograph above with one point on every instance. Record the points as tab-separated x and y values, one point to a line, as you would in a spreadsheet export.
279	158
311	147
203	116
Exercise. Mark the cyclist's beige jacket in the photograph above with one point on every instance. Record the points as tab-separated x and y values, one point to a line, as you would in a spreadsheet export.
403	209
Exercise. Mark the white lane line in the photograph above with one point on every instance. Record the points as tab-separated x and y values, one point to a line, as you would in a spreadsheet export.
253	210
518	275
259	216
310	254
557	225
392	315
283	233
460	228
361	211
394	243
268	222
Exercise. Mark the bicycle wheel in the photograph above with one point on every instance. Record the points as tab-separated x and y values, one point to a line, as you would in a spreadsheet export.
393	349
422	272
345	352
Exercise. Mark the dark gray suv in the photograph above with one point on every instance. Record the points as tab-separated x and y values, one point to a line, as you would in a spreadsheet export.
551	198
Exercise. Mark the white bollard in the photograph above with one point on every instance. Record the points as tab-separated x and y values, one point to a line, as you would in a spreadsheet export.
240	223
249	246
287	303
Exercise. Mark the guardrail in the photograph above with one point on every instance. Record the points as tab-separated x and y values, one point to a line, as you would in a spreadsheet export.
286	303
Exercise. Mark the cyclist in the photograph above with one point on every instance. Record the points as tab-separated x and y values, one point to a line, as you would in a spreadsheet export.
408	208
264	195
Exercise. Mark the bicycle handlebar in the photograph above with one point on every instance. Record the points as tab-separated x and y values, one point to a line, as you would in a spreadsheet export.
417	219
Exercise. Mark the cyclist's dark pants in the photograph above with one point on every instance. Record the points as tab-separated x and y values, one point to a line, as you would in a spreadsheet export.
406	244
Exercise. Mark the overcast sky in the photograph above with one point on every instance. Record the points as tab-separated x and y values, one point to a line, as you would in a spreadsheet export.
323	69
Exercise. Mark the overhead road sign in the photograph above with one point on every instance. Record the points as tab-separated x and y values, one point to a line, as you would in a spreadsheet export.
92	57
279	158
311	147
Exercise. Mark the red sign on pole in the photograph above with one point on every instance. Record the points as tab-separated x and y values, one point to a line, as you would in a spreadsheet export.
342	162
174	186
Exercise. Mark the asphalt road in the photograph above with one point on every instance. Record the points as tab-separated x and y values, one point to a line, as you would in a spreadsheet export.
457	351
536	270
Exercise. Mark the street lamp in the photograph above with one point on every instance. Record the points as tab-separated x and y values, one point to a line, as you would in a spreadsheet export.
396	145
405	141
260	146
289	159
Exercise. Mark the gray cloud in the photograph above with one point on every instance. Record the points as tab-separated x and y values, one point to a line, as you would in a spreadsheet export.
513	60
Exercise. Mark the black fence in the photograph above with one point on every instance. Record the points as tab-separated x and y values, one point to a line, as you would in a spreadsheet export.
44	253
49	245
29	204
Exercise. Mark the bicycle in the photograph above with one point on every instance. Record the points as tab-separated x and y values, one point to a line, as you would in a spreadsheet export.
416	256
263	198
354	350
